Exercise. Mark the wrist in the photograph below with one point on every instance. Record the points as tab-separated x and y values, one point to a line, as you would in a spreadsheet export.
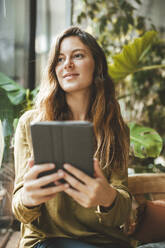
104	209
24	202
110	200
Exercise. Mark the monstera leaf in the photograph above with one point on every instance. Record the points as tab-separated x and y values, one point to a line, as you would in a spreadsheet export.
15	92
12	95
12	99
145	141
127	62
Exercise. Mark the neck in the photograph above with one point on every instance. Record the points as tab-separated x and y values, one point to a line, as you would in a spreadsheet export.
78	104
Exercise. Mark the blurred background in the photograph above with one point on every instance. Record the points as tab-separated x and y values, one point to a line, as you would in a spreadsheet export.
27	29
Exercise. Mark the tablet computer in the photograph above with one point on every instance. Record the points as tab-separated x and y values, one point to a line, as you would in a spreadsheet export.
62	142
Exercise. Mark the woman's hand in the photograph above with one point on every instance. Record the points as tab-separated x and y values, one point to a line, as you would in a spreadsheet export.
33	193
90	192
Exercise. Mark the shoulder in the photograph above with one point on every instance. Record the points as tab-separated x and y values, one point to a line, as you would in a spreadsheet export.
23	127
28	117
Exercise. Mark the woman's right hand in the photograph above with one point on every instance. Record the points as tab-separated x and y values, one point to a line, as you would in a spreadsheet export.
33	193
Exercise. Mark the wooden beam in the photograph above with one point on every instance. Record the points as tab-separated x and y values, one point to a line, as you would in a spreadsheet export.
32	36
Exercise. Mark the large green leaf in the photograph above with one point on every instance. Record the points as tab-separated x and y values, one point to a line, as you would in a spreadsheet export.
145	141
6	113
15	92
127	61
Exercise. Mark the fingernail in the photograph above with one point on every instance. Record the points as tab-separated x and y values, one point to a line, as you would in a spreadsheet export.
66	185
60	173
66	166
52	165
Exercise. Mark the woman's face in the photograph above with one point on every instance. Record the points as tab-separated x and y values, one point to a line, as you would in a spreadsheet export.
75	65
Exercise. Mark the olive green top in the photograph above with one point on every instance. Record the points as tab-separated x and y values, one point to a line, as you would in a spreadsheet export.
62	216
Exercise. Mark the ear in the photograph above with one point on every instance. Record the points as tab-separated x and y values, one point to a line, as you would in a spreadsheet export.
97	169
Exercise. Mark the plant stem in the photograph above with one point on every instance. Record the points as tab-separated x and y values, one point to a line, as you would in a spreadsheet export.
151	67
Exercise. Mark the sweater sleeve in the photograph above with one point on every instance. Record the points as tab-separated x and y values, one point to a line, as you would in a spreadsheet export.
118	214
22	152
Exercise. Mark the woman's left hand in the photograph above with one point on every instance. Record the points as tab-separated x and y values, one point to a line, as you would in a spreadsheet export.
89	192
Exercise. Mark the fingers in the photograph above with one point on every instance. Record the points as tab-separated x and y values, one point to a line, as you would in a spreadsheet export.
32	181
30	162
74	182
42	200
97	169
77	196
44	180
37	169
49	191
78	174
36	197
94	191
33	192
83	193
47	194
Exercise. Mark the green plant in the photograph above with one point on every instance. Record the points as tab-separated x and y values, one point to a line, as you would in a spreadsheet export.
15	106
112	22
14	100
135	67
130	60
145	142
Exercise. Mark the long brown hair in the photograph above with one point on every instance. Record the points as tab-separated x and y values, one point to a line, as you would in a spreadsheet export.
112	135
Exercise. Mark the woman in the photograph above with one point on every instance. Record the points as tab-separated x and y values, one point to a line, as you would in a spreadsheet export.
87	213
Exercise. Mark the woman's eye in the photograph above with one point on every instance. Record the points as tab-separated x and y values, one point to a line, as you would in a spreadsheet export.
79	55
60	59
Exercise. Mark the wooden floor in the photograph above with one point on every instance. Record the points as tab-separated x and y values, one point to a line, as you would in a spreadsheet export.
9	240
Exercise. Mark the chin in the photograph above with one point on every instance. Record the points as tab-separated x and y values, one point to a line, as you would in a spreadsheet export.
75	87
71	88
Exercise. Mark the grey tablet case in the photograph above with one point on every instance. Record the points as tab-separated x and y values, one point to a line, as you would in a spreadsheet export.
62	142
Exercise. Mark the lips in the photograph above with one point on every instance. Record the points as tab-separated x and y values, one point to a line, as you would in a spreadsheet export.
70	75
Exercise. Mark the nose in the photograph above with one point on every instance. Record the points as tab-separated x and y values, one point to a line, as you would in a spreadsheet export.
68	63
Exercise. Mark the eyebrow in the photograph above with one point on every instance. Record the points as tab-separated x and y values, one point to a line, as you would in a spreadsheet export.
76	50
